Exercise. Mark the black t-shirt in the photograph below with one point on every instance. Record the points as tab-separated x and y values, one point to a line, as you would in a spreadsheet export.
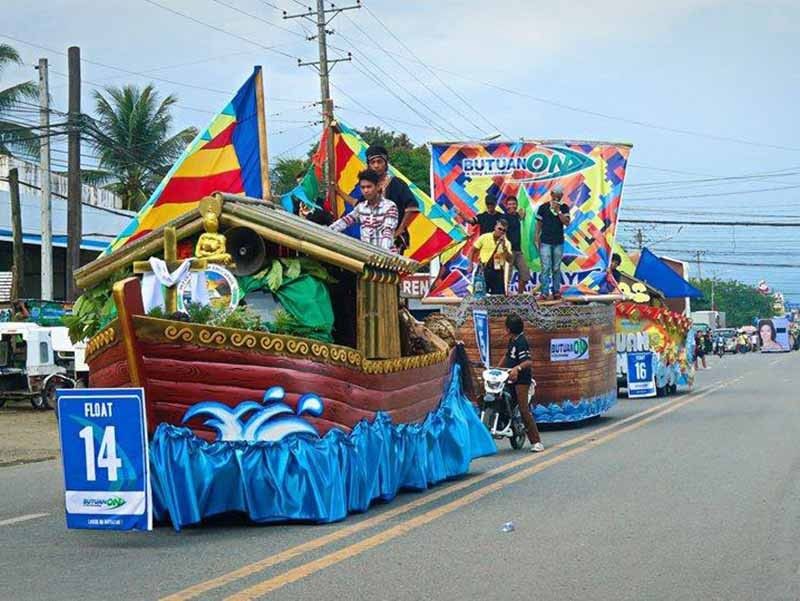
552	228
514	233
400	194
518	351
487	221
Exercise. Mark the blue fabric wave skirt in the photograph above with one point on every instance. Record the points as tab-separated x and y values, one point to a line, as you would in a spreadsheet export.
314	479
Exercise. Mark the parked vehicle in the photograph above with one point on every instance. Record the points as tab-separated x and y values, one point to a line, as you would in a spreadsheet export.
499	410
35	361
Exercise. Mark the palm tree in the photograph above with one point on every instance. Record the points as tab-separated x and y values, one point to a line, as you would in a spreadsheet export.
15	136
132	141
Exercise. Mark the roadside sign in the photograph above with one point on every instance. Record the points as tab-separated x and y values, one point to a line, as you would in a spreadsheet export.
641	375
106	463
569	349
480	319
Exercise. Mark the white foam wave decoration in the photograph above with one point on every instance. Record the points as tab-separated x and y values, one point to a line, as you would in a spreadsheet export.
271	421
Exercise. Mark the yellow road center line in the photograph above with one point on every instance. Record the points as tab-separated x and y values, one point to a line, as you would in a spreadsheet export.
305	570
312	545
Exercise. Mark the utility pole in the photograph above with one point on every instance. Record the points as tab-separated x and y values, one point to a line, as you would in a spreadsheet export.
44	175
713	304
639	238
17	250
697	255
324	66
74	225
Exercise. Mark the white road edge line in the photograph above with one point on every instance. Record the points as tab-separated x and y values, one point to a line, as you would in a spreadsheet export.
22	518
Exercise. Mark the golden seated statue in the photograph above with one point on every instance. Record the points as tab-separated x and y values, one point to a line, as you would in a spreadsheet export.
211	244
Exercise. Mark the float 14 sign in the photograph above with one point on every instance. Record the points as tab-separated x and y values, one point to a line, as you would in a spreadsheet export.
106	466
548	162
569	349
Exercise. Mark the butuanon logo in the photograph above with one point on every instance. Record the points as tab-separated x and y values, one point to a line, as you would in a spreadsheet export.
109	503
548	162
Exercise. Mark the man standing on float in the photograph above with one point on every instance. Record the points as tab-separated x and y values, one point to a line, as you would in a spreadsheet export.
551	219
397	191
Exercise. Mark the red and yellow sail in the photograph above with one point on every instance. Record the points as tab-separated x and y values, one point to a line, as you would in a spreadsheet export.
224	157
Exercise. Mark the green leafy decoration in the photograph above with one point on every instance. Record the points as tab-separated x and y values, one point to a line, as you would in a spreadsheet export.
274	277
93	310
285	323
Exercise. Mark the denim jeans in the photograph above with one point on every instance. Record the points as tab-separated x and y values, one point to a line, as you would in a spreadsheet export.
550	255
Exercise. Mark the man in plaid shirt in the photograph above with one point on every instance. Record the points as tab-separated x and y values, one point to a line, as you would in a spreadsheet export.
376	215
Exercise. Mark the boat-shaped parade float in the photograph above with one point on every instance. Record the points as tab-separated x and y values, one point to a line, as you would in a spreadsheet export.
277	426
281	378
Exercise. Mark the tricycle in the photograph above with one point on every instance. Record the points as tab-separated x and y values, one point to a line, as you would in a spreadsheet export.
37	360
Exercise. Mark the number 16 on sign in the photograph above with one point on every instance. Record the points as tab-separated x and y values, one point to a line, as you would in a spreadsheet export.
641	375
106	464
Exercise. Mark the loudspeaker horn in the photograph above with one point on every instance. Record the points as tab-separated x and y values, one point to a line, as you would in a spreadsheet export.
247	249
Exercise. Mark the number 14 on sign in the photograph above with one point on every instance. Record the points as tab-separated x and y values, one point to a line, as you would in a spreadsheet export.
106	455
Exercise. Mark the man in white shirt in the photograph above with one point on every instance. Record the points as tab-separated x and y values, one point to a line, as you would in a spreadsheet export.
376	215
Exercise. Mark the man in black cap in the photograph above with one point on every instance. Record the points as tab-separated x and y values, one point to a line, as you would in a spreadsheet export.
397	191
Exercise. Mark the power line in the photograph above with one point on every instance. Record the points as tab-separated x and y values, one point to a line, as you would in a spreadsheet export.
416	98
432	72
257	18
737	193
375	79
599	114
367	110
120	69
429	89
726	211
728	178
726	223
383	117
221	30
83	202
748	264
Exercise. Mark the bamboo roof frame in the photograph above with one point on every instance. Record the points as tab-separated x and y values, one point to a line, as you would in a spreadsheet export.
270	222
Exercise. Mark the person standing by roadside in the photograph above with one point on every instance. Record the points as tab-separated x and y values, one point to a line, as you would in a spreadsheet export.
699	350
513	217
493	252
551	219
518	358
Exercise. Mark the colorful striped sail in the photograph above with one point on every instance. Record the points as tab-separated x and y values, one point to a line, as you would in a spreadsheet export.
432	231
224	157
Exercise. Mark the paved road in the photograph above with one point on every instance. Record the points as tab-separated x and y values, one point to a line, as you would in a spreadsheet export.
696	497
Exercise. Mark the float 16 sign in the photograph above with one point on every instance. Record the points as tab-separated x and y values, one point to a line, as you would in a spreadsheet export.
105	456
641	375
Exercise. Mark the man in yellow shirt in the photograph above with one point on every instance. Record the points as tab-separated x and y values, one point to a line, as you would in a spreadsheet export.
493	250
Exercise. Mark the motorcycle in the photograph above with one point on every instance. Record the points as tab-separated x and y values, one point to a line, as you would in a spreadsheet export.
499	411
719	347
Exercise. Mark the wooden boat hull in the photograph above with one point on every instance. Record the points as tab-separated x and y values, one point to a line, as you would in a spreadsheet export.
589	381
181	364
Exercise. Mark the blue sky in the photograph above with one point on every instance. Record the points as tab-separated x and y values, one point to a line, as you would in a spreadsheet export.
725	72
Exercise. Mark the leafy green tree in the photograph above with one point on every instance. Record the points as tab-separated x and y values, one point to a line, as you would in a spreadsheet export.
131	136
15	137
740	302
283	174
412	161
